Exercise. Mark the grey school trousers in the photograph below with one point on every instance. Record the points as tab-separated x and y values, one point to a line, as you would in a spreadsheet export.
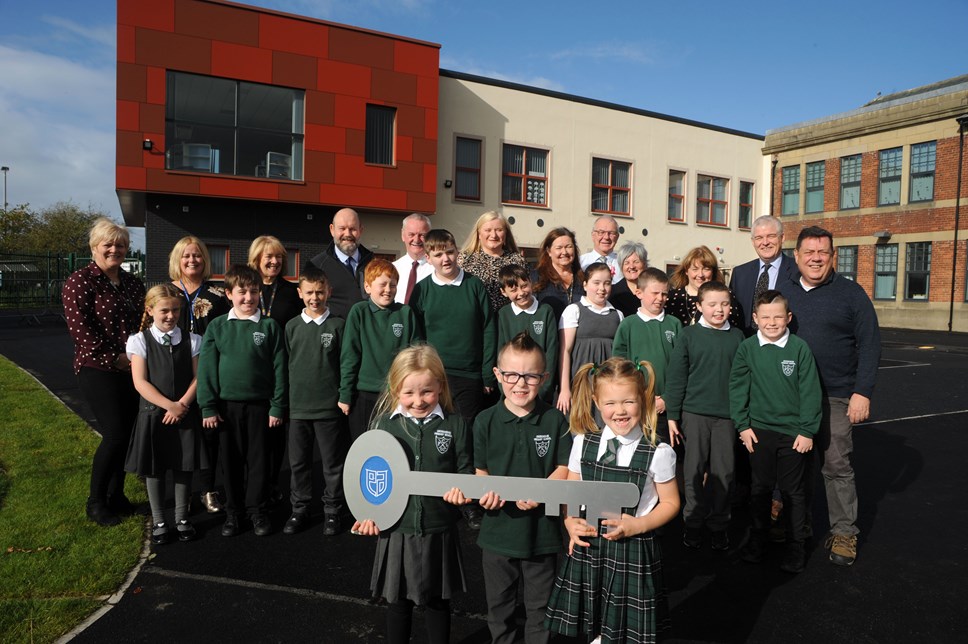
708	444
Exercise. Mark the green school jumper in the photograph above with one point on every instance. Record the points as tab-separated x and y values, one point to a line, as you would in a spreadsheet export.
371	340
653	340
314	351
542	326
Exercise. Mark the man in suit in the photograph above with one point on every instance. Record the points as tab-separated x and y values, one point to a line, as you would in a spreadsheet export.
412	266
770	268
344	262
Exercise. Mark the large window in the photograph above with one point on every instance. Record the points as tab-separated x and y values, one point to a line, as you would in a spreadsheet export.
745	204
379	134
525	175
889	177
233	127
814	198
677	195
922	171
850	168
711	194
917	270
467	170
791	190
885	272
611	186
847	262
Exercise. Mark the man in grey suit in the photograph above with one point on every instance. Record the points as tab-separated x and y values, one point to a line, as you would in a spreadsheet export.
765	272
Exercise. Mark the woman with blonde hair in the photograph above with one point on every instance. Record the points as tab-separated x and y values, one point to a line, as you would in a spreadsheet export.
279	299
489	248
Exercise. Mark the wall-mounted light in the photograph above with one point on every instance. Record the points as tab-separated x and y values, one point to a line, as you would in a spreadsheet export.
882	234
720	250
448	183
147	144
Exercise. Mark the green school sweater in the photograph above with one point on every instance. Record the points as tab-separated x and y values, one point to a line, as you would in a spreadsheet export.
458	321
371	340
543	329
637	339
698	377
314	377
242	361
775	388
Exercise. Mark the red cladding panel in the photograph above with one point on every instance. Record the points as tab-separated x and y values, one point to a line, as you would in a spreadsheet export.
411	58
407	175
161	181
125	44
128	116
320	167
302	192
320	107
350	112
241	62
132	83
356	142
128	178
152	118
156	85
352	171
174	51
421	202
294	36
325	138
293	70
217	22
410	120
404	151
128	149
238	188
425	151
394	87
427	91
430	124
157	14
343	78
430	179
361	48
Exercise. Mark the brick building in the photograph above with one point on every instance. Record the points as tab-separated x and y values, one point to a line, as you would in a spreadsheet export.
884	179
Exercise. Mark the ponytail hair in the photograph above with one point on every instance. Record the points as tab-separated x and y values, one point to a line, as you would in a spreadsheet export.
590	376
154	295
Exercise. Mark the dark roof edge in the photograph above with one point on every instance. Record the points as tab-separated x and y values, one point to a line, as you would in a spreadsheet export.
596	103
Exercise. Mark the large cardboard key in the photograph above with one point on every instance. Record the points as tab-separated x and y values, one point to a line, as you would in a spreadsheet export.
377	482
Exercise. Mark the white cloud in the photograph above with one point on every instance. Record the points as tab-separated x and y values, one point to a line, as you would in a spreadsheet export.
102	35
447	62
627	52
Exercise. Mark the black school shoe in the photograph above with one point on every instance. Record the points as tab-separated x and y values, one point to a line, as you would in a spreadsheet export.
298	522
186	531
795	559
261	525
719	540
332	526
101	514
755	549
231	526
473	514
692	538
160	534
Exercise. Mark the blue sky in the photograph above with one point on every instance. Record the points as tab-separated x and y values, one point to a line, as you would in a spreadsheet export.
750	66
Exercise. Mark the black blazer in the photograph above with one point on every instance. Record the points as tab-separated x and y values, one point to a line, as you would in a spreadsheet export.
744	281
345	290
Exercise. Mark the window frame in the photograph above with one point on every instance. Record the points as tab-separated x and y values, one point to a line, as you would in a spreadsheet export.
468	170
213	250
922	174
852	184
882	270
847	253
370	134
915	252
611	189
711	201
812	188
787	189
677	198
745	206
882	179
524	176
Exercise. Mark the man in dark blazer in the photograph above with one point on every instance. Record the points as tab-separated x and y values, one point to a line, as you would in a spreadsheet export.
344	262
767	237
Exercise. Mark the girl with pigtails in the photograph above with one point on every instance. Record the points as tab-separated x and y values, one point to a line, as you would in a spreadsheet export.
609	587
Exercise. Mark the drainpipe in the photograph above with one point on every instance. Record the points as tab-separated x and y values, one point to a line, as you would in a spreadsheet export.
962	124
776	160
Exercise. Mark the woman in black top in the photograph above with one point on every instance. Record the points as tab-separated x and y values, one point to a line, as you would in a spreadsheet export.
279	298
632	260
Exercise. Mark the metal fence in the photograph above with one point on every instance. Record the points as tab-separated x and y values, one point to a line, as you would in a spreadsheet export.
34	282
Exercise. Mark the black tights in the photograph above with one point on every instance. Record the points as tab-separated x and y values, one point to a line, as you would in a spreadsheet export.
436	618
114	401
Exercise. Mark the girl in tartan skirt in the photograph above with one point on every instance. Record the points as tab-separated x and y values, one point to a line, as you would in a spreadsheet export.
609	587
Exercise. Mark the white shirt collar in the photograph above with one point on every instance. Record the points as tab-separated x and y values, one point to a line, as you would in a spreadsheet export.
702	322
319	321
628	439
774	263
455	282
255	317
531	310
782	342
596	309
158	334
406	414
648	317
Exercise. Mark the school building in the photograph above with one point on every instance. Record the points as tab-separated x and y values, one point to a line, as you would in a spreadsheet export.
883	179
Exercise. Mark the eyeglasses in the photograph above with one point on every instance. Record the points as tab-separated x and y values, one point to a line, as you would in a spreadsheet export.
605	233
512	377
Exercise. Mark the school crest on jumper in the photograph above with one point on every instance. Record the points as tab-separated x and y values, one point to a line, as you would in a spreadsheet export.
538	326
542	444
442	439
397	329
788	366
670	336
326	339
259	338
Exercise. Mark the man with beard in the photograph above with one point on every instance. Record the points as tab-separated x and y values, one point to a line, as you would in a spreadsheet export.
344	262
413	266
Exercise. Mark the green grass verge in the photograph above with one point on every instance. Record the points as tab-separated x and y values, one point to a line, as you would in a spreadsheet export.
56	567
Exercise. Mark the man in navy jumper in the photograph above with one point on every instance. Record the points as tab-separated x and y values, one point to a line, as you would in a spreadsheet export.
836	318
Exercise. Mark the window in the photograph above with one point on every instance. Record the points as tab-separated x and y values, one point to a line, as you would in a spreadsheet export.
847	262
791	190
525	176
292	264
611	186
889	177
379	134
815	172
745	204
220	259
922	171
917	271
711	195
233	127
677	195
467	170
850	182
885	272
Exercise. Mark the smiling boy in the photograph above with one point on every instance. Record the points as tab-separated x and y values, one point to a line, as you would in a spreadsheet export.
525	313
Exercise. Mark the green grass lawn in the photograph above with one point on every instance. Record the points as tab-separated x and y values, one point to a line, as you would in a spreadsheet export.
56	567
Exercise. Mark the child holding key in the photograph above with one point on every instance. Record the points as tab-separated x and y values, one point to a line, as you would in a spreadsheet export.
418	560
610	586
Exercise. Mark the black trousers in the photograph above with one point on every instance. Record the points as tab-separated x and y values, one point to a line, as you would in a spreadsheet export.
206	478
360	411
114	401
244	455
330	436
468	395
774	463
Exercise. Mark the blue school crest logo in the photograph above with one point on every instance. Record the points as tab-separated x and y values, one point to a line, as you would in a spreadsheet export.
326	339
376	480
788	366
542	444
259	338
538	326
397	329
670	336
442	439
